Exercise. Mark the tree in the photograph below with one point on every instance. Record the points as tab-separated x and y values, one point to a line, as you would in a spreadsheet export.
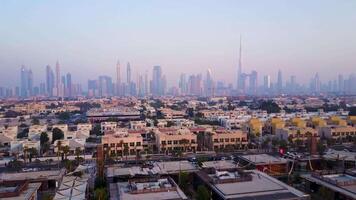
96	130
64	116
32	152
57	134
270	106
203	193
78	151
352	111
44	138
100	194
35	121
66	150
59	149
320	148
126	150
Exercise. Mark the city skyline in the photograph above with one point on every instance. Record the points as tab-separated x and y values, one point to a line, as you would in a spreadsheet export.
88	43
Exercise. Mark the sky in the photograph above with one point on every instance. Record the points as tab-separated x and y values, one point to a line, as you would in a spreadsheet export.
88	37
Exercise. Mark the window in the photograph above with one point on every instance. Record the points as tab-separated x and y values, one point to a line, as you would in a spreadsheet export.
232	139
216	140
112	145
138	143
192	141
175	142
227	140
169	142
221	140
163	142
132	144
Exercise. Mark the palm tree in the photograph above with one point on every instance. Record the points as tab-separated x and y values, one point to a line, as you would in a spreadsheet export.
25	151
78	151
59	149
33	151
66	150
184	142
126	150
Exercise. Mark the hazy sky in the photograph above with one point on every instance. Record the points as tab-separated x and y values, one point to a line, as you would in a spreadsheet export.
87	37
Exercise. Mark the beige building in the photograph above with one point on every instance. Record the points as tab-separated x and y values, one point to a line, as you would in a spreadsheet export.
173	139
108	126
226	139
36	130
296	133
122	143
337	132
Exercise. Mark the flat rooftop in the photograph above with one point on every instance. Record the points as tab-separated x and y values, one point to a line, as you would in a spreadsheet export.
220	164
162	189
263	159
170	167
48	174
261	187
342	183
25	194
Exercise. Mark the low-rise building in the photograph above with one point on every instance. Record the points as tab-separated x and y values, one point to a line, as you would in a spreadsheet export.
173	139
108	126
296	133
337	132
342	185
122	143
148	189
249	184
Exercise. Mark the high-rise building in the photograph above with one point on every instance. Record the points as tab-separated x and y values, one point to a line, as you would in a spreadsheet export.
341	85
279	82
128	74
24	81
157	81
105	86
30	82
58	80
26	86
267	83
209	84
118	79
183	85
69	85
253	83
239	70
49	80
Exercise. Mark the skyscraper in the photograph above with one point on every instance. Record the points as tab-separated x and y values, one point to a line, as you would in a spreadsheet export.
69	89
157	83
279	82
128	73
49	80
239	71
24	82
253	83
209	84
266	83
58	79
118	78
30	83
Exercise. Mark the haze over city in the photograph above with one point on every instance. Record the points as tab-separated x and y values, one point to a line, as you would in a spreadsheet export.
88	37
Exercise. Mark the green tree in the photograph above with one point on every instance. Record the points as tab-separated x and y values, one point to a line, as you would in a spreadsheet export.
203	193
100	194
32	152
44	138
66	150
35	121
78	151
57	134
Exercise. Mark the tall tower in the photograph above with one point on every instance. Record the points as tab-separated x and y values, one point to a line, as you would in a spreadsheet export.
239	71
24	82
49	80
58	79
118	78
128	73
279	82
157	86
